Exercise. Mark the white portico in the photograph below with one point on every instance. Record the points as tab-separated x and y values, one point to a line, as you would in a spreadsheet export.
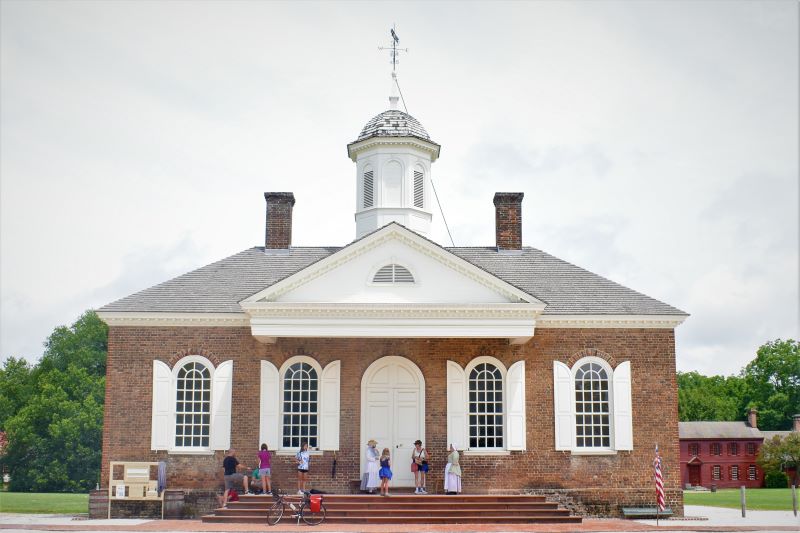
393	283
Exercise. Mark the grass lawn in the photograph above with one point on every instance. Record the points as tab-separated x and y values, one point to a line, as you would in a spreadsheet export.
44	503
757	499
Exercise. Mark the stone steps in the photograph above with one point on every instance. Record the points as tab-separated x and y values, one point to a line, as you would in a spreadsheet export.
408	508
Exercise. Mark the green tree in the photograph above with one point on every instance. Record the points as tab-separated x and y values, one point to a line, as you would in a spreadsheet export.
773	384
710	397
55	430
778	454
16	388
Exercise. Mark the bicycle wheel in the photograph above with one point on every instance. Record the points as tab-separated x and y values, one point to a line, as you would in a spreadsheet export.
311	518
275	513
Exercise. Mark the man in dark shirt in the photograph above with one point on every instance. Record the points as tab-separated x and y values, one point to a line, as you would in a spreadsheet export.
232	477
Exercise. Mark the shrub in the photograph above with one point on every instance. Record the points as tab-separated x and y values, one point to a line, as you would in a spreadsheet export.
776	480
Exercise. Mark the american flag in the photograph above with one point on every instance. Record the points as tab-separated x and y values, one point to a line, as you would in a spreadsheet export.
659	481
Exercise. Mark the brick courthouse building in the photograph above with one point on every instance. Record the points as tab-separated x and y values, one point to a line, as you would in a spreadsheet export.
547	376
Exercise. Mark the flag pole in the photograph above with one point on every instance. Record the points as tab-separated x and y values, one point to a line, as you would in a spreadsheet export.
658	477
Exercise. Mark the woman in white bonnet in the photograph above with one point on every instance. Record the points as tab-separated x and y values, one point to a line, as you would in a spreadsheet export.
452	472
370	480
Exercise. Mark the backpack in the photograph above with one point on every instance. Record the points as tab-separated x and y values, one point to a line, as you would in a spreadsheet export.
233	496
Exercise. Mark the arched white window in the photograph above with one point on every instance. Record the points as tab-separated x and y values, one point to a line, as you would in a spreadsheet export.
486	405
392	184
300	385
300	402
592	405
191	408
393	273
369	188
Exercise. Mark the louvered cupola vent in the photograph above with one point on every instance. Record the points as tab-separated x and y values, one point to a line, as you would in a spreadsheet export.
419	188
393	274
368	187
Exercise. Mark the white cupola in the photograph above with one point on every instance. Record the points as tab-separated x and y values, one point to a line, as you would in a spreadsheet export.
393	156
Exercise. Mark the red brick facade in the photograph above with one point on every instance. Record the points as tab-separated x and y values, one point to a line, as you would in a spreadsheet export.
603	482
726	463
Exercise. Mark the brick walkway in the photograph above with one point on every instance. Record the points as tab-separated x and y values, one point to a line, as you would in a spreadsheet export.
588	525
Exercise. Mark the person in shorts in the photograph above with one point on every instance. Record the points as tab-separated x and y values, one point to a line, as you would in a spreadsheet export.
232	478
303	458
264	469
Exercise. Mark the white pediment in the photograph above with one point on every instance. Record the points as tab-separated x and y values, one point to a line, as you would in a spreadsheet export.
339	296
439	277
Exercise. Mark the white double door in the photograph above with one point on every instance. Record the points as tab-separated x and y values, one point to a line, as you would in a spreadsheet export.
392	412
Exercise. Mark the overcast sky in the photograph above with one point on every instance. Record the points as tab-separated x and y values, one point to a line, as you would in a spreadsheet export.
656	143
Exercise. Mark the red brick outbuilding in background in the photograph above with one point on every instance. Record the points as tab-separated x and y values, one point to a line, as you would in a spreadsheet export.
724	453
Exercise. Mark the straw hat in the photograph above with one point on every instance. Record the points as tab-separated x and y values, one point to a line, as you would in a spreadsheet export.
372	442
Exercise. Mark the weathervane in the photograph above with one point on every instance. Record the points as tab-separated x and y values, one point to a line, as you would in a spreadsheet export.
394	54
394	51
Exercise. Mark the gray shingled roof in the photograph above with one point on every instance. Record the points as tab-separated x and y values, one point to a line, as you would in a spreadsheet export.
393	123
565	288
717	430
769	434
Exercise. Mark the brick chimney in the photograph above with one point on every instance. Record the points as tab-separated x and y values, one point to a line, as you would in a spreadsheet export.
752	418
796	426
279	220
508	220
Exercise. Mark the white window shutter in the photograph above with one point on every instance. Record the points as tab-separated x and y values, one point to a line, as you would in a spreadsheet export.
221	392
329	419
163	398
563	405
515	381
269	424
456	405
623	412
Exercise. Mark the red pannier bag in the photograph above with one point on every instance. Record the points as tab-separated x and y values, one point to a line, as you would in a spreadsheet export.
316	503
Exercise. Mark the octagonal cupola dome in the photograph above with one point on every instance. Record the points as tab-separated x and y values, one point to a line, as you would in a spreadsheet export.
393	123
393	156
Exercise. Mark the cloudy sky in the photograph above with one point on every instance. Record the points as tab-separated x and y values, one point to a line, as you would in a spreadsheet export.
656	143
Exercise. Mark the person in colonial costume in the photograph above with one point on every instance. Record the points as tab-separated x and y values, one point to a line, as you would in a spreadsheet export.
452	472
370	480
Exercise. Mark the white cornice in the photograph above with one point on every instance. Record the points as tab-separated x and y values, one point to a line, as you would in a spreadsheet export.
394	232
528	315
281	310
610	321
372	142
175	319
270	320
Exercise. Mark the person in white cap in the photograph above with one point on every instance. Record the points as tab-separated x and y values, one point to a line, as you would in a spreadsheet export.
452	472
370	480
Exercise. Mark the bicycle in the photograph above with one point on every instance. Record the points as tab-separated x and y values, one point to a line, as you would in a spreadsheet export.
304	511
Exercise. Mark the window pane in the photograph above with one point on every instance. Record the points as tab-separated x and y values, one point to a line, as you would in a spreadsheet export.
301	391
592	396
485	396
193	405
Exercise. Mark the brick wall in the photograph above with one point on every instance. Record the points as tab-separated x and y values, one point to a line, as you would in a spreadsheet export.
600	482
